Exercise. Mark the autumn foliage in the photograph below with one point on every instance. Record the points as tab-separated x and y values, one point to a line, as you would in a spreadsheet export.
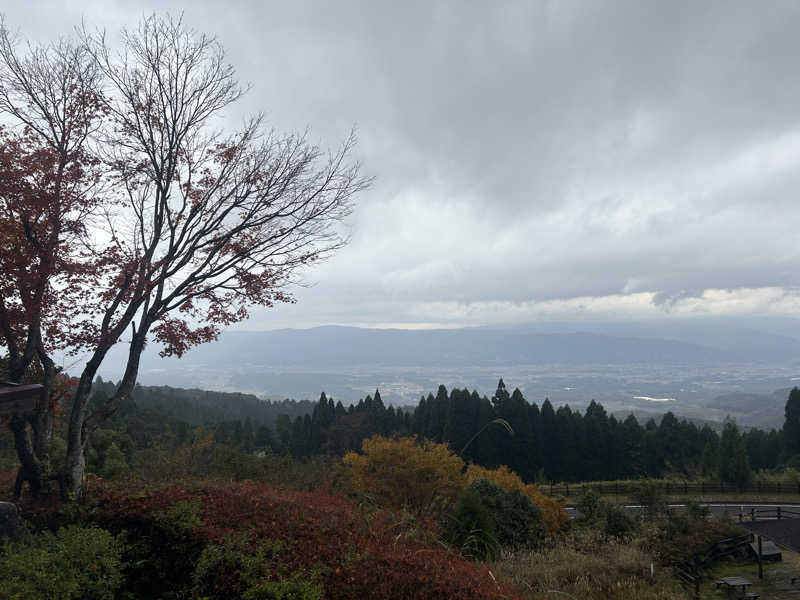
554	517
404	473
313	534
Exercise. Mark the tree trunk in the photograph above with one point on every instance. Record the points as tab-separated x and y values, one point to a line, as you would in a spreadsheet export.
82	424
33	436
30	467
75	461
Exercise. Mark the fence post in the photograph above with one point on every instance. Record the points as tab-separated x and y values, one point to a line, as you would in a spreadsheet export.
760	563
567	493
702	487
779	513
685	487
753	514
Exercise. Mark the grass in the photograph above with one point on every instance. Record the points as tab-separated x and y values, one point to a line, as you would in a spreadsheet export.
775	585
587	567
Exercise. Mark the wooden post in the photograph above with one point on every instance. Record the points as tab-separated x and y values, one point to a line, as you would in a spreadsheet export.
779	513
760	563
753	514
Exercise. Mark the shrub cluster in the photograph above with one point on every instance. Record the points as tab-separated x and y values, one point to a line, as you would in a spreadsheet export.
611	520
487	517
74	562
412	474
554	517
204	538
404	473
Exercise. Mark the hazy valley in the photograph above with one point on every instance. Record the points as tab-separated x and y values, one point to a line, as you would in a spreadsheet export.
703	370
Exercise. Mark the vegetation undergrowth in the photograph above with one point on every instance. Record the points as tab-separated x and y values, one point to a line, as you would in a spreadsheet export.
205	538
587	566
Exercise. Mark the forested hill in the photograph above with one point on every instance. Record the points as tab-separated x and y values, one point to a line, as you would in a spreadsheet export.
200	407
555	443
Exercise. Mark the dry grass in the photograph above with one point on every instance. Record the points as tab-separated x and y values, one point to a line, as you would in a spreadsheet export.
586	567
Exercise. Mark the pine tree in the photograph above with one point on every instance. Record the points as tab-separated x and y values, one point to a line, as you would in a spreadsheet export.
734	466
791	426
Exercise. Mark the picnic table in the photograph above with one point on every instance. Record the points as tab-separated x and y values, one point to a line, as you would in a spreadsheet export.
732	583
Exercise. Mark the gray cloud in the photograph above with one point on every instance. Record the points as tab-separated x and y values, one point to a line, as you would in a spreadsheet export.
529	153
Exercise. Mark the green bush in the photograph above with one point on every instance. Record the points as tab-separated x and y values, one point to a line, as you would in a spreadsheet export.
619	524
486	516
75	562
239	568
590	506
181	517
650	495
472	527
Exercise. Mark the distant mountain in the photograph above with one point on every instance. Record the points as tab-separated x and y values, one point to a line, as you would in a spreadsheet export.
331	347
757	410
692	361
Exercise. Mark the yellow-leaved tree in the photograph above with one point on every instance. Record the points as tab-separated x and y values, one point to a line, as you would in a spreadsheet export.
405	473
554	517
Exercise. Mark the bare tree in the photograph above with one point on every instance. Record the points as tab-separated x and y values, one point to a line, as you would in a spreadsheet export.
200	224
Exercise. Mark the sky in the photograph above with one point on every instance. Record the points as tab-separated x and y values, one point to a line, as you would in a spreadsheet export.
532	160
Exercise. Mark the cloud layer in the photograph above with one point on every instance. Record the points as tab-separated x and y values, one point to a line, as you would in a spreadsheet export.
532	160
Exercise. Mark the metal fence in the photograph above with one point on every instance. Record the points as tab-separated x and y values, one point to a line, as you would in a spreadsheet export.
768	514
568	490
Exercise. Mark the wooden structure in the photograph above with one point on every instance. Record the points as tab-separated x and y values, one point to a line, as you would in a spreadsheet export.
19	398
732	583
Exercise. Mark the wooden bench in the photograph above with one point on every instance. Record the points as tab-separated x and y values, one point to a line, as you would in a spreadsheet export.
732	583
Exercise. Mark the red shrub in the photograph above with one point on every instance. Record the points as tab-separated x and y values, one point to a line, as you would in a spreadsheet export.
361	557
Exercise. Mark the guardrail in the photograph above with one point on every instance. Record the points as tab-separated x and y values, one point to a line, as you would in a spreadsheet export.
569	490
768	514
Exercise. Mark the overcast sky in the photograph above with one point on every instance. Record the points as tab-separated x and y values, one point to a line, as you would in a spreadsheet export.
533	160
